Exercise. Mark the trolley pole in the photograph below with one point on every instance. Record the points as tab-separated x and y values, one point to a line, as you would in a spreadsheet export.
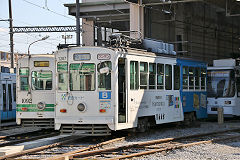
78	22
11	32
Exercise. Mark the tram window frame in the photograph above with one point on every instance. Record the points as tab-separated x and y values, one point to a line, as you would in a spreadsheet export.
203	78
143	75
152	76
191	73
185	77
134	75
62	76
42	89
197	76
168	80
176	77
24	77
160	76
70	78
106	78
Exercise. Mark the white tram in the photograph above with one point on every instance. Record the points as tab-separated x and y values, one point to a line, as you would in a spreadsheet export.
223	89
36	91
103	89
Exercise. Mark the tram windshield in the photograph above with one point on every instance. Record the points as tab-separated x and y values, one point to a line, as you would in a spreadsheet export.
104	75
42	80
82	77
221	83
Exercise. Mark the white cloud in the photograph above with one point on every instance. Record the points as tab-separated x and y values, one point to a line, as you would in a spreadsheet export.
3	29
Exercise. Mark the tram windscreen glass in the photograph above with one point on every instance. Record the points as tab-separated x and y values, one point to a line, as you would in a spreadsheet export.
82	77
23	74
104	75
221	83
42	80
62	69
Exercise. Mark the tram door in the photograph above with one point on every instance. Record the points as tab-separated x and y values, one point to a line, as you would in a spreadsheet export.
122	108
6	100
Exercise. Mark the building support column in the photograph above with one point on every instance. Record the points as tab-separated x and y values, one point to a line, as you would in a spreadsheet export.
136	20
88	33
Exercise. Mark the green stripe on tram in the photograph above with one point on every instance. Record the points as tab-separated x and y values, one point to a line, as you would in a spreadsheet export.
33	108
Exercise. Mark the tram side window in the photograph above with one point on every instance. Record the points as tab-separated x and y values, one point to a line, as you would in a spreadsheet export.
191	78
185	77
23	73
104	75
168	77
238	86
62	68
160	76
14	92
42	80
82	77
203	78
197	78
176	77
134	78
143	75
10	97
152	75
4	97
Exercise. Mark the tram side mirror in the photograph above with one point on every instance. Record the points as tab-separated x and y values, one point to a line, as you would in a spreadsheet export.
105	70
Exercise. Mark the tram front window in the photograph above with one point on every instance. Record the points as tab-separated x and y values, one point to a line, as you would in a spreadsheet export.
42	80
23	73
104	75
221	83
82	77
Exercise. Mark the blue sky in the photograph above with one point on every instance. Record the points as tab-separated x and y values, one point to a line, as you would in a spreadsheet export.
35	13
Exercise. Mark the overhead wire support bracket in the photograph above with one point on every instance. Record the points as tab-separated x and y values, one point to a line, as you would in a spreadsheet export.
29	29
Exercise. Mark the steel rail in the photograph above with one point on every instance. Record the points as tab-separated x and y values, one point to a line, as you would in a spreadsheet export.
137	145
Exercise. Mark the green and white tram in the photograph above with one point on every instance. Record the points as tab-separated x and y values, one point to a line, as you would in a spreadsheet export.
99	90
36	91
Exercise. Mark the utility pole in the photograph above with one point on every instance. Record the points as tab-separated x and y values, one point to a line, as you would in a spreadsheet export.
11	33
78	22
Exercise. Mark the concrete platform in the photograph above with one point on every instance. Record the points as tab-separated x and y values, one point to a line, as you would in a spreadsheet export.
10	150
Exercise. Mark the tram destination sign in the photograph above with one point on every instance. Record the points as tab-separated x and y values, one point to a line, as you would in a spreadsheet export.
81	56
104	56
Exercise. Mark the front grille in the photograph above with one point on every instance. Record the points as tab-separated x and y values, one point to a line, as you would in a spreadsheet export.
214	109
40	123
86	129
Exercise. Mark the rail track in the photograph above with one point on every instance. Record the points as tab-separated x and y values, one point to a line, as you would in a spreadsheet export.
83	148
148	147
48	151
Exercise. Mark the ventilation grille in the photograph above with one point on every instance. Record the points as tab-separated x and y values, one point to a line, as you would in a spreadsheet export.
40	123
87	130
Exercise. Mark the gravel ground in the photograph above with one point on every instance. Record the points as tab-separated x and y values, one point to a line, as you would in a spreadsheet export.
217	151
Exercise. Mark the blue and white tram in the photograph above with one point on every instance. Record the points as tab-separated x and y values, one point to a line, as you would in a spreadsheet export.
224	87
8	96
193	88
103	89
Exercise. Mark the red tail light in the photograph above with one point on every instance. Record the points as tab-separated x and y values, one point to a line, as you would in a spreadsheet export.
102	110
63	110
24	109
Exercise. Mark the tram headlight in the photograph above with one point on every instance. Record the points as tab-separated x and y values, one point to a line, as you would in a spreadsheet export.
41	105
81	107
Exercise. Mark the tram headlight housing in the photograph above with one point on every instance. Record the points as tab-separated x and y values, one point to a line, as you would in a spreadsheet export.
81	107
41	105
